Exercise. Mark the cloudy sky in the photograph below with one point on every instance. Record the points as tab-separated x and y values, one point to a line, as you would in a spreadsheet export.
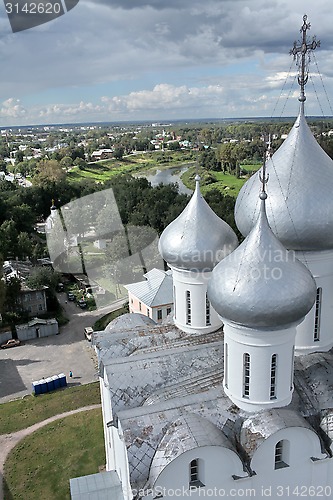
111	60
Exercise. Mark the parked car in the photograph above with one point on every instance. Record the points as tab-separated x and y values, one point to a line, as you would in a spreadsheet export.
88	331
82	303
60	287
10	343
70	296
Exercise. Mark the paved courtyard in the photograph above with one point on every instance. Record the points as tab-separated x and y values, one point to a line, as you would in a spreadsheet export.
38	358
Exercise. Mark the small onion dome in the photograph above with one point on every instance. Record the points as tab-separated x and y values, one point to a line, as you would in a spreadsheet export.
300	203
53	207
198	238
261	284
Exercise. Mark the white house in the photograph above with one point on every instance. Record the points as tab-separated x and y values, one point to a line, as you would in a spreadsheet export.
153	296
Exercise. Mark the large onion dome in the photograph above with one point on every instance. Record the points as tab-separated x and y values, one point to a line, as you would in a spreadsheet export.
300	201
197	239
261	284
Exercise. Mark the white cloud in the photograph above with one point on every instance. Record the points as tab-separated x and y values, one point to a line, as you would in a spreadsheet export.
12	108
150	56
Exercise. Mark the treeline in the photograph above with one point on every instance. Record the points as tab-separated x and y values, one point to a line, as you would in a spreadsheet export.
139	204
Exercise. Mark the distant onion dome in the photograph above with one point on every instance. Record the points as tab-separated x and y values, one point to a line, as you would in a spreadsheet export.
300	200
198	238
261	284
53	207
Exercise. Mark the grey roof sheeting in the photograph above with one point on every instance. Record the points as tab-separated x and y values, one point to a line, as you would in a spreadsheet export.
300	201
129	320
144	427
155	385
128	341
256	428
131	380
102	486
156	290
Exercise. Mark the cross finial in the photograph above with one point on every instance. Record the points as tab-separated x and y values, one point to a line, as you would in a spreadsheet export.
302	55
263	179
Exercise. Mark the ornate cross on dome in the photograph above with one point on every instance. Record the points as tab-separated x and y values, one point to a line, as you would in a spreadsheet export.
263	179
302	54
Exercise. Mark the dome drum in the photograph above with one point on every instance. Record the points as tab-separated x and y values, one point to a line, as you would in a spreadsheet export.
193	312
257	373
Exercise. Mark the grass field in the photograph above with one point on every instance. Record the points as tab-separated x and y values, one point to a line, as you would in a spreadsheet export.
22	413
144	163
226	183
42	464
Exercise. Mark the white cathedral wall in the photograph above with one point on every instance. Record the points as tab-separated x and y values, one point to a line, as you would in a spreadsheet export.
107	417
302	470
321	266
223	475
216	467
115	449
196	284
260	345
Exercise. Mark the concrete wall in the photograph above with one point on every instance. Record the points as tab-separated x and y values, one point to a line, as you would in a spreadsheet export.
29	332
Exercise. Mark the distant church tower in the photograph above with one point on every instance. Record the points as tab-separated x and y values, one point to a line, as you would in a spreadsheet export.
300	210
261	292
192	245
52	217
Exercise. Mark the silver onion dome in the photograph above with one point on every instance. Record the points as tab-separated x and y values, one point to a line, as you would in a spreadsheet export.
197	239
261	284
300	201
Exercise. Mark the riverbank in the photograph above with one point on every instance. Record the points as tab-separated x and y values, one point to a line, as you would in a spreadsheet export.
145	164
225	183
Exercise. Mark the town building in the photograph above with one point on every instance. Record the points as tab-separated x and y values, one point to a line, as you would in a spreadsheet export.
152	297
32	300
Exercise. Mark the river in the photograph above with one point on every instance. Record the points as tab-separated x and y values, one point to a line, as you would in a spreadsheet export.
168	176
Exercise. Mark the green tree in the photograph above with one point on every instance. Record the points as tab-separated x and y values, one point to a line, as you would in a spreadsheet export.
8	238
44	276
49	171
66	162
19	156
13	289
174	146
24	246
80	162
119	152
